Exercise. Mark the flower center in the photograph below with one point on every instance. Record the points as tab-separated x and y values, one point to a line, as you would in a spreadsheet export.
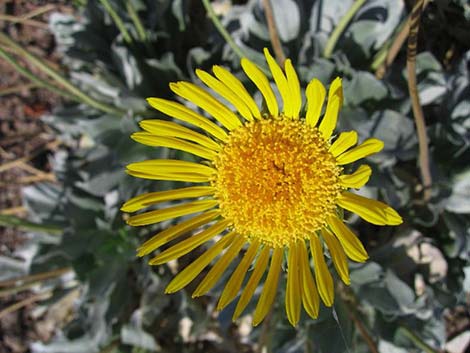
276	180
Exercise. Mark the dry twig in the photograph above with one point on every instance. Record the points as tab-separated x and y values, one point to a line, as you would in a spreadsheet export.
273	34
415	103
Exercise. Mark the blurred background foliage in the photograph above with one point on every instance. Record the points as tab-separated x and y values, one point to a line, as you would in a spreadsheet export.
116	53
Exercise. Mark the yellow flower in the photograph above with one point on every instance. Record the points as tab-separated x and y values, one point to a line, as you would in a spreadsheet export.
271	182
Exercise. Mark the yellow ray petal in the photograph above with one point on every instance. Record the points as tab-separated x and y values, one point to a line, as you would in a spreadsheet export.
344	141
372	211
247	293
189	244
336	89
180	112
357	179
281	83
294	88
170	166
293	299
269	291
164	214
351	244
169	169
176	231
337	254
262	83
225	92
171	129
194	269
236	279
368	147
315	93
151	198
335	102
206	101
186	177
330	118
234	83
149	139
219	268
310	298
322	275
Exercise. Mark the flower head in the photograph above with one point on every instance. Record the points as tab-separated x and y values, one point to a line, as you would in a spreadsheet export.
269	183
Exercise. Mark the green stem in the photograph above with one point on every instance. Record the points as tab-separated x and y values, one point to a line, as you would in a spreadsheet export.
34	79
117	21
12	221
418	342
137	23
215	20
342	24
59	78
394	43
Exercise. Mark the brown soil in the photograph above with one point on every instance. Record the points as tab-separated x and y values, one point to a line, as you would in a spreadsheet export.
25	145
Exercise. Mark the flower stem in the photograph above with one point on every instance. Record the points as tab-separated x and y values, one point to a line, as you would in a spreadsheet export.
12	221
415	103
137	23
223	32
273	34
342	24
30	76
418	342
385	57
117	21
73	90
350	301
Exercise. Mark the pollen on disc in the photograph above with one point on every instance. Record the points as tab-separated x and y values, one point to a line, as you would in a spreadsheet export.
276	180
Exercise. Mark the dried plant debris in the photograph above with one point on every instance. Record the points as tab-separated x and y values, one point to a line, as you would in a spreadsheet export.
121	52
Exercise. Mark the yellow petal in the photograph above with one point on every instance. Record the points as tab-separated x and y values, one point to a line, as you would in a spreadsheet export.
344	141
330	118
149	139
262	83
351	244
336	89
206	101
171	129
226	93
281	82
337	254
234	83
293	299
310	298
180	112
236	279
176	231
192	270
269	291
357	179
247	293
294	88
189	244
372	211
170	166
151	198
315	93
164	214
219	268
368	147
335	102
170	169
186	177
322	275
